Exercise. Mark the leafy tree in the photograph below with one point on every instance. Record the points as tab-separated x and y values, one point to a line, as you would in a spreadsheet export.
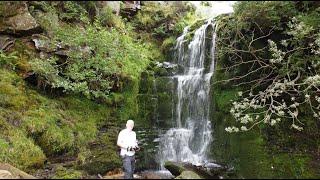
273	48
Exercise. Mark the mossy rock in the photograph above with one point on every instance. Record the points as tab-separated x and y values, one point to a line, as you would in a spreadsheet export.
164	84
161	72
56	140
175	168
104	156
188	175
64	173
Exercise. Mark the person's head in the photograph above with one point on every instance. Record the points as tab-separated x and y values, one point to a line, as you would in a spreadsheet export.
130	124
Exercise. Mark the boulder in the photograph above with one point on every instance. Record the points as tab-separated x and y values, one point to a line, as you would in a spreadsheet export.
4	174
17	19
8	171
188	175
175	168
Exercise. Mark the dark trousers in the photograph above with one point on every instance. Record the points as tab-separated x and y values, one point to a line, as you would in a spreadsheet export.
128	166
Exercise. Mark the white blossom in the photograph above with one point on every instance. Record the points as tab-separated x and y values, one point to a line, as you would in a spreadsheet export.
297	127
244	128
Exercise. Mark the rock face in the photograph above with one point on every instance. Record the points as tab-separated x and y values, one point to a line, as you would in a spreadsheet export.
9	172
17	19
6	42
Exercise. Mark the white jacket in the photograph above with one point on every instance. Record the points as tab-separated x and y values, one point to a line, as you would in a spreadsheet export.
127	139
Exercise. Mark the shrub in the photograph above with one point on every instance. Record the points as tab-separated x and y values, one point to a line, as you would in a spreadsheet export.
98	59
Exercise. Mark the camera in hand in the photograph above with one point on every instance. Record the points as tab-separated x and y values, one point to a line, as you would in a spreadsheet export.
135	148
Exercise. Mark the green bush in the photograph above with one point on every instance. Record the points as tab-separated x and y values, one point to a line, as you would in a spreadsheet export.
107	18
73	11
92	71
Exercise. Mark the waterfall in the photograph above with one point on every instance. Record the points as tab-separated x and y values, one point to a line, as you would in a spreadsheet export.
189	139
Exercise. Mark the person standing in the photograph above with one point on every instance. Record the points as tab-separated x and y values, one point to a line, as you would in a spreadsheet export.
128	143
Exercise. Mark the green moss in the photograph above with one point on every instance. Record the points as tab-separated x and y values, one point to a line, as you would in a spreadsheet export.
129	109
11	90
103	156
56	140
17	149
168	43
64	173
44	125
117	98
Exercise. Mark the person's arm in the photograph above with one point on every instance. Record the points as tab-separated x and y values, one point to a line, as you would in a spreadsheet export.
136	142
120	141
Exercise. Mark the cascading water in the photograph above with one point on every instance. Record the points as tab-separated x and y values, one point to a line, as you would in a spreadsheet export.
188	141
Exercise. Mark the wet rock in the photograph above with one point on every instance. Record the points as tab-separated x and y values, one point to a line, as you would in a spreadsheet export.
165	69
17	19
6	42
209	170
214	169
188	175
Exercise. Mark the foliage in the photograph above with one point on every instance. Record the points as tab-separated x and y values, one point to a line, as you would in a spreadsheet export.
97	59
165	21
275	53
107	18
8	60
